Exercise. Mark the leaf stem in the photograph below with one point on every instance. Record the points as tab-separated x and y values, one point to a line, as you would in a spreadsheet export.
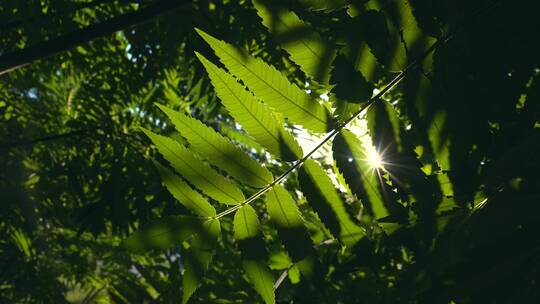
397	79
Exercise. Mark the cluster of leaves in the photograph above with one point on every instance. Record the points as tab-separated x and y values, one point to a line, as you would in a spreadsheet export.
450	216
409	213
74	179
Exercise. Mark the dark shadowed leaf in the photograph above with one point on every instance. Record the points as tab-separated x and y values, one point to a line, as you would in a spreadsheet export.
248	235
285	215
323	197
164	233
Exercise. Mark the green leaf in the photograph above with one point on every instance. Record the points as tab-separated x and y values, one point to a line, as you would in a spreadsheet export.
285	215
306	47
272	87
247	234
246	223
253	115
240	137
375	32
440	142
325	200
195	171
352	161
393	33
183	192
350	84
261	277
198	257
219	150
164	233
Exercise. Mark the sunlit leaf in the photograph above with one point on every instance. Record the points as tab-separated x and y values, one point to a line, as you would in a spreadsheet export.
253	115
285	215
195	171
272	87
188	197
248	235
220	151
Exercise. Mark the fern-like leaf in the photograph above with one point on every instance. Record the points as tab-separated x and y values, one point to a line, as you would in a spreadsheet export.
183	192
195	171
325	200
272	87
219	150
256	118
248	235
307	49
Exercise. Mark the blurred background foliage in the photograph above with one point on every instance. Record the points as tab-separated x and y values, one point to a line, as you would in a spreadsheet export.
76	179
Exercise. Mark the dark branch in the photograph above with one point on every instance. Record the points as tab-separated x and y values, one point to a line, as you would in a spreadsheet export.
9	25
24	57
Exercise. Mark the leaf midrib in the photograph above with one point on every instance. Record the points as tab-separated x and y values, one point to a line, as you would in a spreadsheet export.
198	174
272	87
191	197
224	154
247	110
281	208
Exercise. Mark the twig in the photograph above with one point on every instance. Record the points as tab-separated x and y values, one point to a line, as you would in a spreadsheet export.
281	278
414	64
286	271
24	57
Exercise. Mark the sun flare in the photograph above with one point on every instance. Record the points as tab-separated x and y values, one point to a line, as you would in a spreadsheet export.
374	158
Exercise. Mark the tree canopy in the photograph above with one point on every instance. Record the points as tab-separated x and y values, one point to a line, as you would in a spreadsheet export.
306	151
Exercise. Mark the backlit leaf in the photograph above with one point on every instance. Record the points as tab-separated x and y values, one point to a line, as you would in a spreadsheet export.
219	150
272	87
195	171
183	192
248	235
256	118
285	215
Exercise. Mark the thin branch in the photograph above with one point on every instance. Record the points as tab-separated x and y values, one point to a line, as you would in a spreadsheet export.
414	64
9	25
24	57
281	278
286	271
